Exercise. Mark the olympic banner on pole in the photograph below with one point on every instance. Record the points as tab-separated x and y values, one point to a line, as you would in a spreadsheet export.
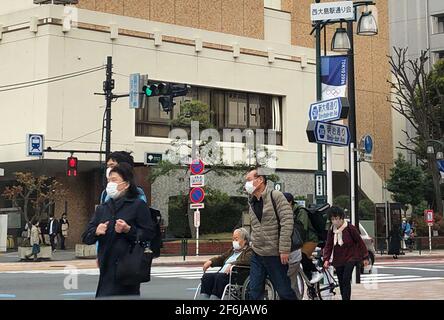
334	72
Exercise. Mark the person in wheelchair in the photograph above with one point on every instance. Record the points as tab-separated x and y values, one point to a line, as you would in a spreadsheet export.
213	284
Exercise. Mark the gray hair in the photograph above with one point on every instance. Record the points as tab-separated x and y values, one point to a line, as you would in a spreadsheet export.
245	235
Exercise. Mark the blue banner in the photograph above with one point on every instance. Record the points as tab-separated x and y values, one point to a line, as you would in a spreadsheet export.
334	73
440	165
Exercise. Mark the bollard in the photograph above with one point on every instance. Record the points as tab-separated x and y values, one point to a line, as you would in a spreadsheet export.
184	248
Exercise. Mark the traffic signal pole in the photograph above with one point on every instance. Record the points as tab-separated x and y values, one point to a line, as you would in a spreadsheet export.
108	87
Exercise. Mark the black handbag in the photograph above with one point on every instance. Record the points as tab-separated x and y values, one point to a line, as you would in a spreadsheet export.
134	267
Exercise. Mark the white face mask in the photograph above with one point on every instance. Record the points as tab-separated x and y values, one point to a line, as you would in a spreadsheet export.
111	190
249	187
107	172
236	245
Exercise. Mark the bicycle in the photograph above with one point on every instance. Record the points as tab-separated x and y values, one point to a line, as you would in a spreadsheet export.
315	290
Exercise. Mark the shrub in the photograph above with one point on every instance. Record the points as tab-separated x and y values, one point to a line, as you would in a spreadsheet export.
222	213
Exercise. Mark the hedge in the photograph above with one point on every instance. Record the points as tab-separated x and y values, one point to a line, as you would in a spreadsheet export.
221	214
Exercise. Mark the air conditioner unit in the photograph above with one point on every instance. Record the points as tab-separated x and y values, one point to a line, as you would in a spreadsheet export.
56	2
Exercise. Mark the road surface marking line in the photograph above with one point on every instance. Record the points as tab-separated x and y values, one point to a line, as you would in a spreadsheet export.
78	294
404	280
412	268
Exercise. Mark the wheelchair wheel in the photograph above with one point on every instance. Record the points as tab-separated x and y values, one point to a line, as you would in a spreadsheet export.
269	292
301	286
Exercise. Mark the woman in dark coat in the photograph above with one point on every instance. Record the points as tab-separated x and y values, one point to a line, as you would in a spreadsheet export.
116	224
345	248
394	243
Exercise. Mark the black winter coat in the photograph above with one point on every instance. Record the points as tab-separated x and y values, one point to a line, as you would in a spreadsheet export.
113	245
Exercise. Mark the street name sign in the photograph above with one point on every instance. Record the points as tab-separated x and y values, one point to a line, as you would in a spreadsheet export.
134	94
329	110
340	10
328	133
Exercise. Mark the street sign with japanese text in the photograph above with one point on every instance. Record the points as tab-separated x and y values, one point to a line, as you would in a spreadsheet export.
332	11
328	133
134	81
197	206
197	181
329	110
320	184
197	219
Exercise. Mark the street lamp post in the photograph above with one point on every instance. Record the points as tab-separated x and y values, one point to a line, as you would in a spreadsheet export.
343	42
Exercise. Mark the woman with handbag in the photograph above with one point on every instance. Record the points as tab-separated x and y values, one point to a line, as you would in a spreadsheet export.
34	240
121	225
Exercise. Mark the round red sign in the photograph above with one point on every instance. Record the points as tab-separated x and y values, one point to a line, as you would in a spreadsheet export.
197	195
197	166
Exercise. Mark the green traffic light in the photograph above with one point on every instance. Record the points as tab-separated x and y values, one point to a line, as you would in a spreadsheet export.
148	91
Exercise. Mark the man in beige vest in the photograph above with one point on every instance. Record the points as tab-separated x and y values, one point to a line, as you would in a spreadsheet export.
271	240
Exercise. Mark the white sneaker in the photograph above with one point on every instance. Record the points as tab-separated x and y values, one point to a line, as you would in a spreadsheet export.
316	277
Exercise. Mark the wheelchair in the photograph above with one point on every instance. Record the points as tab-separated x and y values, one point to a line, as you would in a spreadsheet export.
238	286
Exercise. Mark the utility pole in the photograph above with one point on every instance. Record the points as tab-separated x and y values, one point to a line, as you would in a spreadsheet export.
108	86
319	200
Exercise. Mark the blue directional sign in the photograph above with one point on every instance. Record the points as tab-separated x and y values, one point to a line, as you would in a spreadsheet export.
368	144
328	133
329	110
34	145
134	102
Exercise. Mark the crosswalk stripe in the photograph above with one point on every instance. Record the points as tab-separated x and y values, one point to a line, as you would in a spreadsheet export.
406	280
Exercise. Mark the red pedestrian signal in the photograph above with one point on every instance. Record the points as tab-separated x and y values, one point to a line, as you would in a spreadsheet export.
72	167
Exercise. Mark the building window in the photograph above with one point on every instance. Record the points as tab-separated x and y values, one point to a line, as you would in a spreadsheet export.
437	55
229	109
438	23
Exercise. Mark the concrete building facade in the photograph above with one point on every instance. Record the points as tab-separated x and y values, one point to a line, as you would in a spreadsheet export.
252	61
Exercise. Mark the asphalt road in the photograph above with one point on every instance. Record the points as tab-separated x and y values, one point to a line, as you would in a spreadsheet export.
176	283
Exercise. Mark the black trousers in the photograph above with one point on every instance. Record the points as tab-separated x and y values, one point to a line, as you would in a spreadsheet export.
344	274
307	266
51	239
214	283
62	242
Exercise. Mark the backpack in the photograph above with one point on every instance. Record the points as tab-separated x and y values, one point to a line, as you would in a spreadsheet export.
318	218
298	228
156	242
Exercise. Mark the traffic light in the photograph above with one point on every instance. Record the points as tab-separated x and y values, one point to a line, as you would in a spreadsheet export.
157	89
72	167
167	103
166	92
